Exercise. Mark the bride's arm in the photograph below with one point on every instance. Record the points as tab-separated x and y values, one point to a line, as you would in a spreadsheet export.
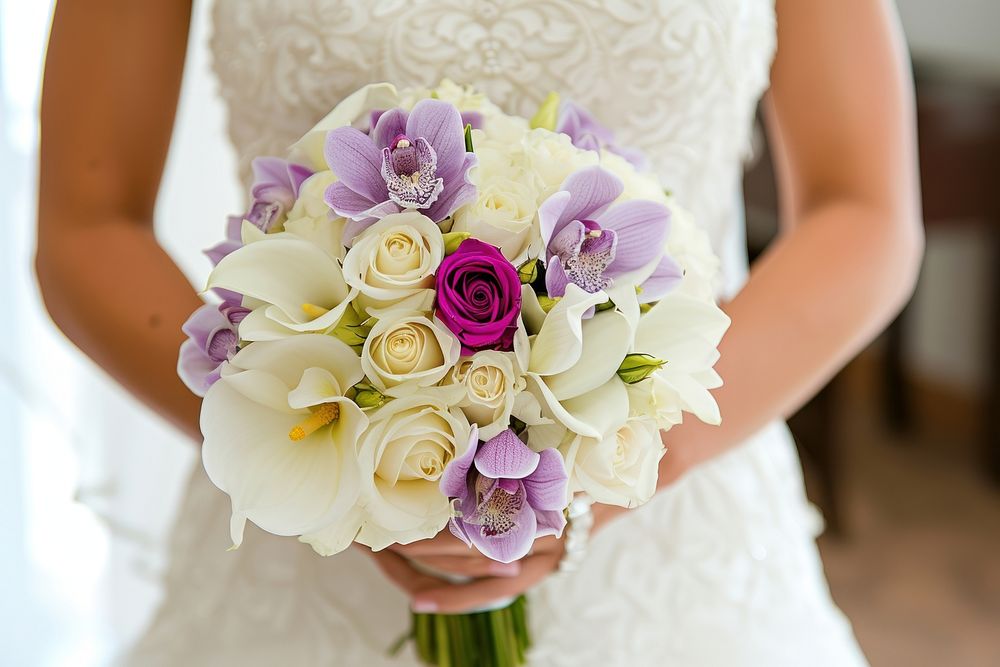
841	121
112	76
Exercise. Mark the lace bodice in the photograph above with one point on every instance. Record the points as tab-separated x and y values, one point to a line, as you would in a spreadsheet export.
677	78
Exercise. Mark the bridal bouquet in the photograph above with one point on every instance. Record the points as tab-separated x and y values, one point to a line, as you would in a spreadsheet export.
437	315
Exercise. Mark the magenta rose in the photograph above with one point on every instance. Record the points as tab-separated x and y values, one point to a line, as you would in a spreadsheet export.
479	297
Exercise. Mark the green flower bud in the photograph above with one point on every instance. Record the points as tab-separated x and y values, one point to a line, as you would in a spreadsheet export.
452	240
468	138
547	113
638	367
353	328
367	397
528	272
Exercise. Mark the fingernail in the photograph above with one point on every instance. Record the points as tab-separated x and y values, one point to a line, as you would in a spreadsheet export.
424	606
505	569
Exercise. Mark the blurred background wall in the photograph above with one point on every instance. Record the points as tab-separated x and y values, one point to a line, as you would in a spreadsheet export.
89	480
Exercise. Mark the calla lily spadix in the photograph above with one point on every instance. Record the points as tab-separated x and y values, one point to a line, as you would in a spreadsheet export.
281	437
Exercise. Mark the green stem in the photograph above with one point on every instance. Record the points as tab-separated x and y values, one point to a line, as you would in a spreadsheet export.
497	638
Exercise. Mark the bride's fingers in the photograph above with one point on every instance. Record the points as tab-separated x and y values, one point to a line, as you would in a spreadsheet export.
399	571
470	566
482	592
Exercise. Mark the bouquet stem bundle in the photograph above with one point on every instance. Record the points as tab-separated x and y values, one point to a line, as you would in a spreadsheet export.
494	638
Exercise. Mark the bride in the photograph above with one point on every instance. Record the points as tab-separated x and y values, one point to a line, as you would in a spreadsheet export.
720	568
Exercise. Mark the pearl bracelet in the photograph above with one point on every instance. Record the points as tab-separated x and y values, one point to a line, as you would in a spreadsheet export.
576	538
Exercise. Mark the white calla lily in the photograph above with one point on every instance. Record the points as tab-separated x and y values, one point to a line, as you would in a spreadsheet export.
301	287
280	437
684	331
572	357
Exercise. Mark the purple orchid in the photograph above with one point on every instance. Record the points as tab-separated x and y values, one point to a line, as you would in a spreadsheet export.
276	184
212	340
590	243
586	133
414	160
507	495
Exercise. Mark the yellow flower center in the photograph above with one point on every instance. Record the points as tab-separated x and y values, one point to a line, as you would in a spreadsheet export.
321	416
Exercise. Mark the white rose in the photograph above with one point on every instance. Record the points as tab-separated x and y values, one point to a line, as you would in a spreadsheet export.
402	456
395	259
490	384
620	468
552	157
406	350
465	98
507	130
502	215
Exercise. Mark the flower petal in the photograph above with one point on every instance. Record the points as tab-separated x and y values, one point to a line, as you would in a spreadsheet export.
607	338
390	125
559	342
357	163
457	192
665	277
454	480
504	456
195	368
550	216
550	522
286	272
642	228
289	358
512	545
440	124
546	486
591	190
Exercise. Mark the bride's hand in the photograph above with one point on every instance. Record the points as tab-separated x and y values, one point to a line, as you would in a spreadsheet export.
491	581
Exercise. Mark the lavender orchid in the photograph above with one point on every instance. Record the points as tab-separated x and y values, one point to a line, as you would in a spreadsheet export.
212	340
275	189
586	133
276	184
507	495
590	243
414	160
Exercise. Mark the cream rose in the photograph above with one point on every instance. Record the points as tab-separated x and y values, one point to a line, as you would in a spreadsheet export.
395	259
491	385
552	157
620	468
502	215
405	350
402	455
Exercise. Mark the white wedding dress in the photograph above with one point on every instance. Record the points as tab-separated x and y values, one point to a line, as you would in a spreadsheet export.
718	569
